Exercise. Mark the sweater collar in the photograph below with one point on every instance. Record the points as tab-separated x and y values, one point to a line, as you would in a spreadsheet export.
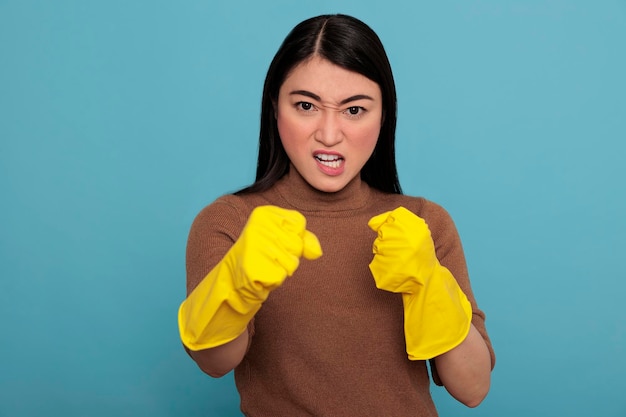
300	194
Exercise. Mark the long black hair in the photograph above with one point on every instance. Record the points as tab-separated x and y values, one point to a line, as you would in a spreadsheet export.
351	44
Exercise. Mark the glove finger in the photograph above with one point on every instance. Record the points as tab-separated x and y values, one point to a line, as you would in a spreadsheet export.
287	260
293	223
263	270
377	221
376	246
407	218
290	220
312	248
273	217
274	265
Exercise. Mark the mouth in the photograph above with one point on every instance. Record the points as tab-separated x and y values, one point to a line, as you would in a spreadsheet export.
329	160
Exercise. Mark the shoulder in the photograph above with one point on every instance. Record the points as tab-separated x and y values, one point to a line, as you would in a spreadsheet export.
227	214
230	210
226	205
233	205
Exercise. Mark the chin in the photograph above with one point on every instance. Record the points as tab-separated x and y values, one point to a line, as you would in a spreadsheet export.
327	184
329	188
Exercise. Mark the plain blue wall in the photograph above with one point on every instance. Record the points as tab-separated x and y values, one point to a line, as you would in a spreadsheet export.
120	120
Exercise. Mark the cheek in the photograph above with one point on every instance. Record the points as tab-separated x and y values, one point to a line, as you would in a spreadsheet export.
287	130
369	137
286	126
293	134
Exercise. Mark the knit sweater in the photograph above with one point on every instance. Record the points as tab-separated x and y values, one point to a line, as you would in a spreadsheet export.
328	342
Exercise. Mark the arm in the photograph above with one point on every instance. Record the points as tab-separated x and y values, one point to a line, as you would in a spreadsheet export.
220	360
214	319
442	320
465	371
212	234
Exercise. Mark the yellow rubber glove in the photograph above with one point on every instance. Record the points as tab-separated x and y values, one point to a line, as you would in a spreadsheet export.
267	251
437	314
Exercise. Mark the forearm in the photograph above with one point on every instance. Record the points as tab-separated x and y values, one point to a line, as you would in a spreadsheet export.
220	360
465	371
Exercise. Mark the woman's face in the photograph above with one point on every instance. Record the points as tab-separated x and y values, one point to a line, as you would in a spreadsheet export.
329	120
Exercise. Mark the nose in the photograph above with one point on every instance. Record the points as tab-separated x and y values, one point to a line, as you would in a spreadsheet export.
329	132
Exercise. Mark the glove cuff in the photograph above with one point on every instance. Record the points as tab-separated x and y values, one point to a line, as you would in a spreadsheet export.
437	318
215	313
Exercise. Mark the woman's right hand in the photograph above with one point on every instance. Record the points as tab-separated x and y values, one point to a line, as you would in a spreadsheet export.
268	250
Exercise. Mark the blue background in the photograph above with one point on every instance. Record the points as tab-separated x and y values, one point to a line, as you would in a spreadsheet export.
120	120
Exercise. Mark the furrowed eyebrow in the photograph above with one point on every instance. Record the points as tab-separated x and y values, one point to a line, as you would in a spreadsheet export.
306	94
355	98
342	102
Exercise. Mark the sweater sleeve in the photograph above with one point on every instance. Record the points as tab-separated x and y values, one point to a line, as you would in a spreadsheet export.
450	253
214	230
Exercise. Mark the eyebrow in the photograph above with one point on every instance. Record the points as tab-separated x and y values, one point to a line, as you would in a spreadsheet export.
318	98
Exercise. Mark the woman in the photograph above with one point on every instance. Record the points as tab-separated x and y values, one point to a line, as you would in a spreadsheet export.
321	285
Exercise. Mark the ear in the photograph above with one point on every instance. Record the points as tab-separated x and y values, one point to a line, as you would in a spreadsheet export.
275	107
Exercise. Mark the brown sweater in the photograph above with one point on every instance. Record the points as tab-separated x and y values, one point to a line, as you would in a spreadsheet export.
328	342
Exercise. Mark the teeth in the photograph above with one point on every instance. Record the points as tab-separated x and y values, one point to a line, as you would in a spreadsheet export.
332	161
332	164
324	157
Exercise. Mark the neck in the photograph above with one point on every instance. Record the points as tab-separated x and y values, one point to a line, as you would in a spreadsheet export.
294	188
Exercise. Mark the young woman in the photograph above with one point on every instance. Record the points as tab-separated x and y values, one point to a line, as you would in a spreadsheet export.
321	285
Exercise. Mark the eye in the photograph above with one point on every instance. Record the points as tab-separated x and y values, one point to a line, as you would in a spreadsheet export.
355	111
304	105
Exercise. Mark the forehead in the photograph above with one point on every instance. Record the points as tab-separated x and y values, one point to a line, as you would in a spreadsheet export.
329	81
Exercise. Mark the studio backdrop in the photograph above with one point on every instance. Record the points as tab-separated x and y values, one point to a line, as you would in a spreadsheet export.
121	120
